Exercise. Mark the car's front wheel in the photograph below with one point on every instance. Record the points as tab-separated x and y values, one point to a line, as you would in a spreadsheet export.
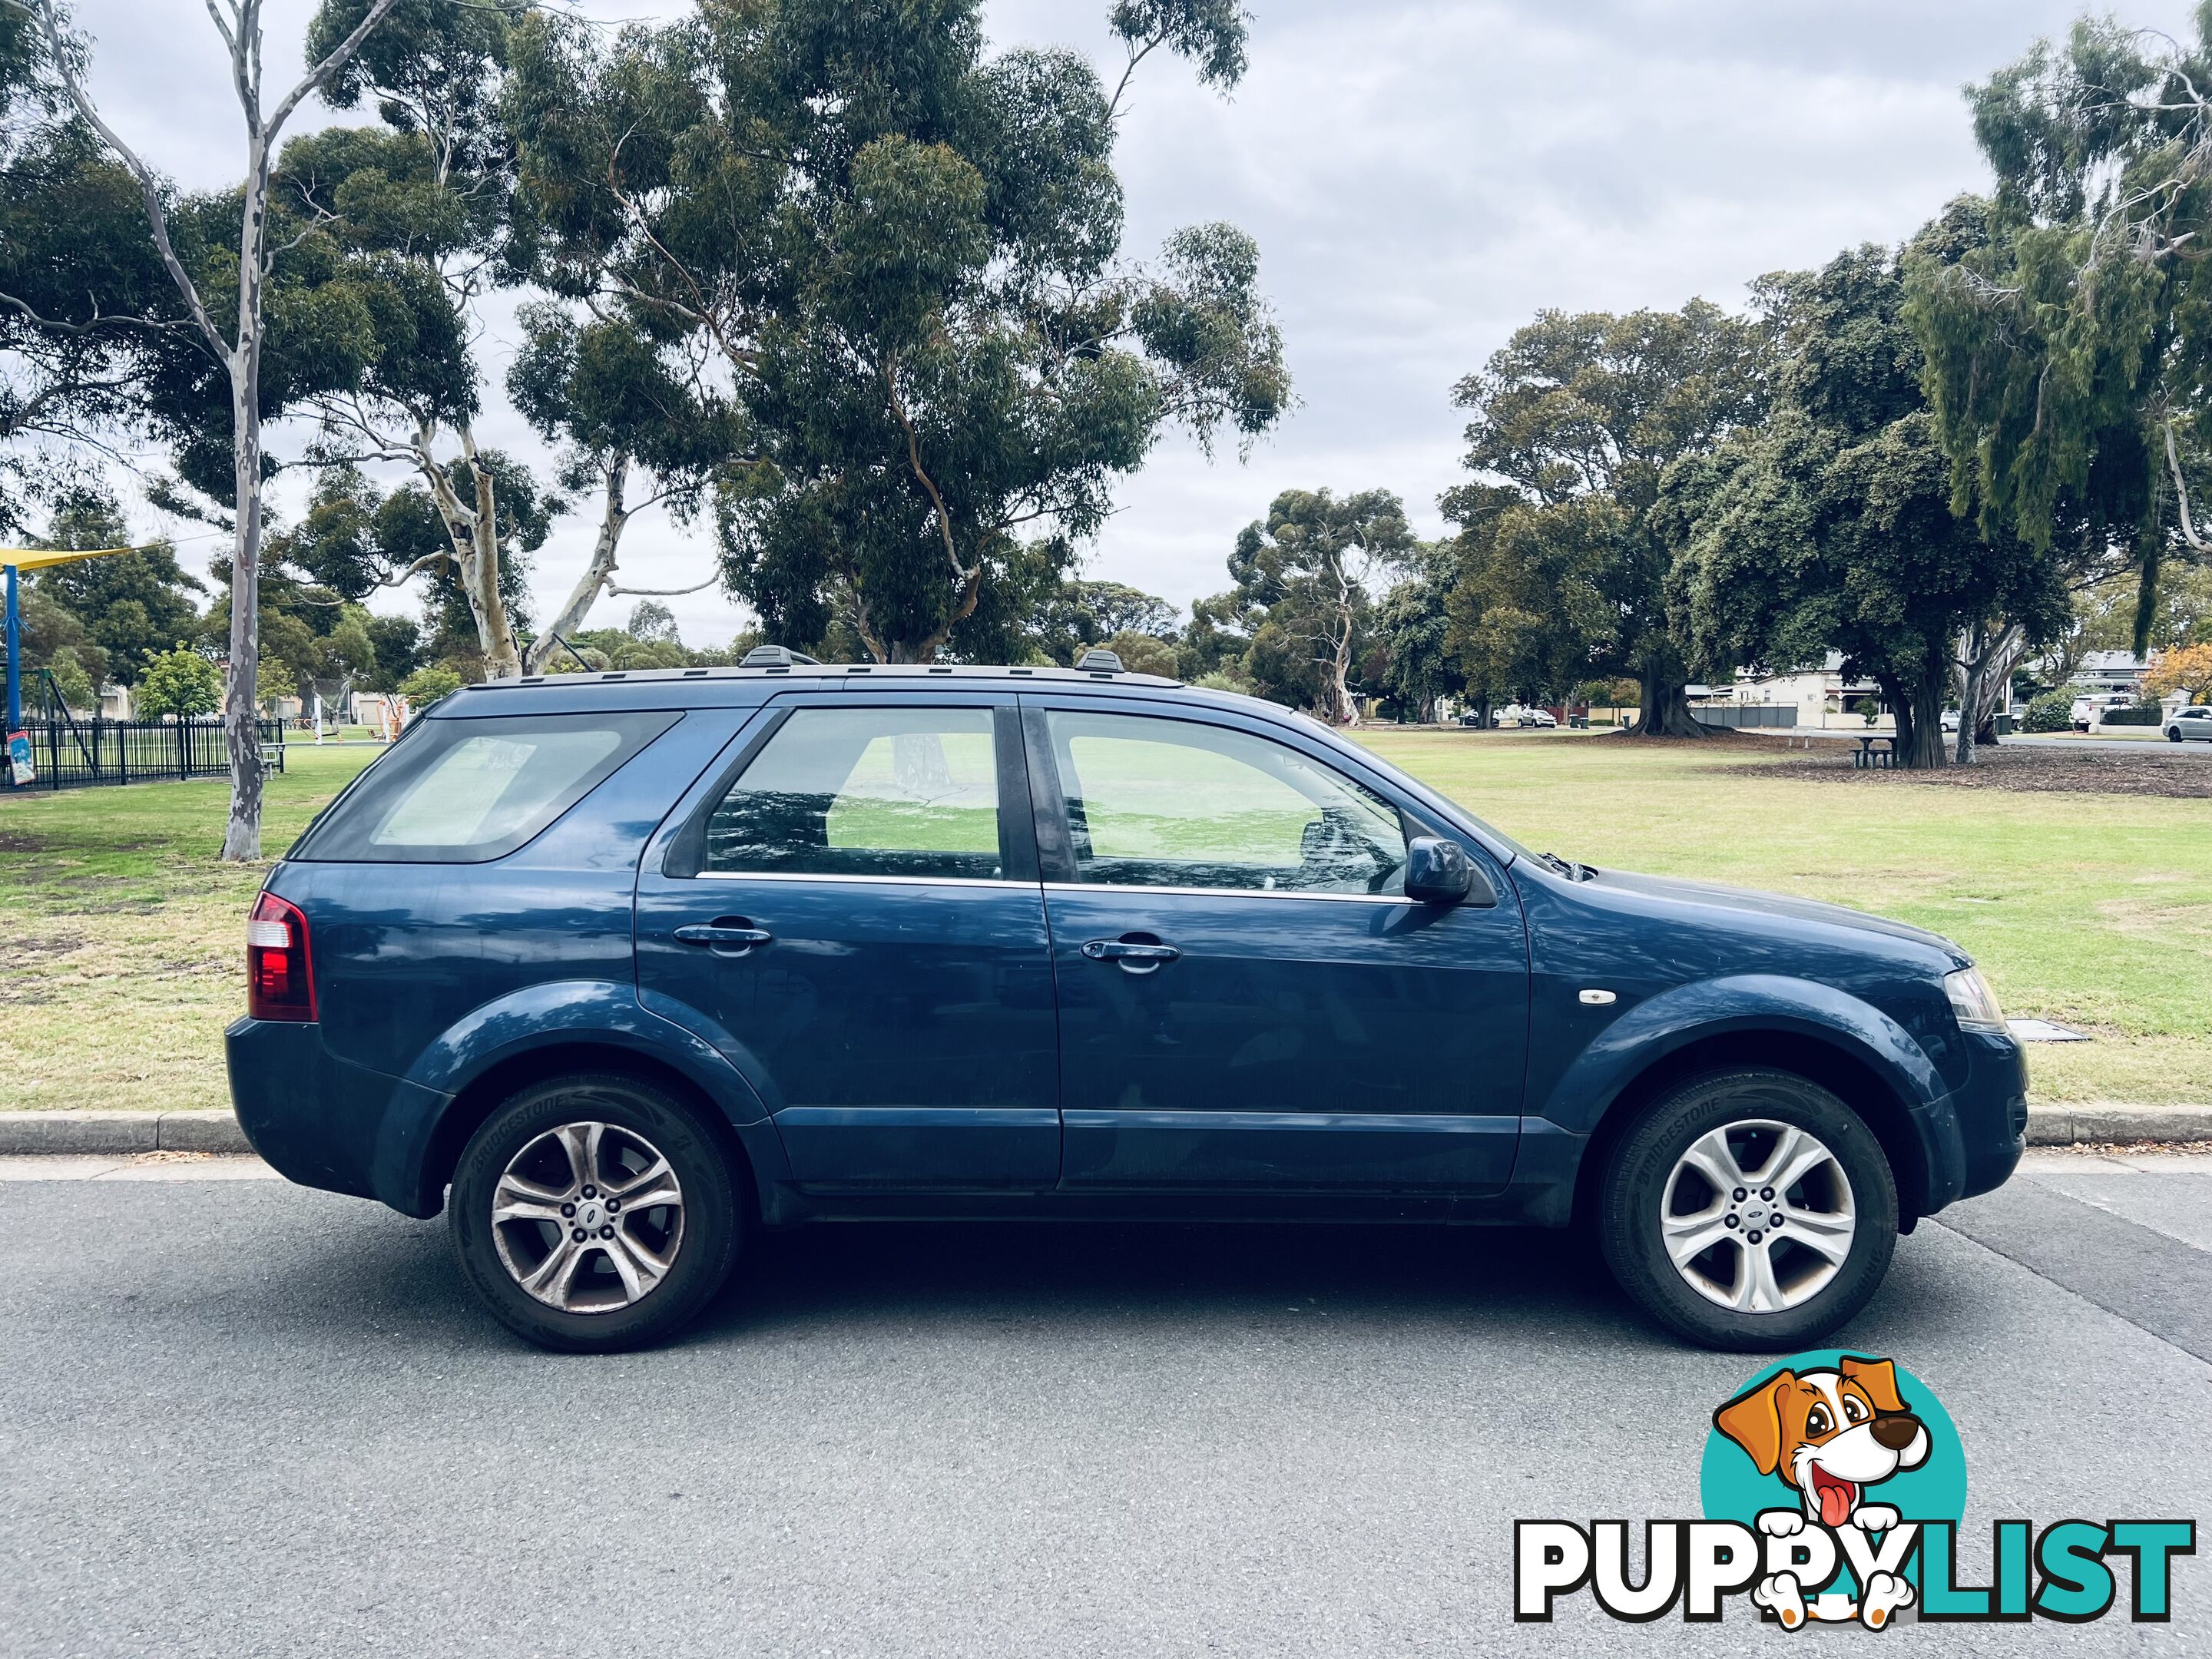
594	1214
1749	1210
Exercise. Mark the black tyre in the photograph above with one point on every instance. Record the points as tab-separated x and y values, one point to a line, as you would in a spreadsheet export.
594	1213
2173	734
1749	1210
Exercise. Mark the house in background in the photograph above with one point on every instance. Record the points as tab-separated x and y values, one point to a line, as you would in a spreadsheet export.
1821	696
2110	671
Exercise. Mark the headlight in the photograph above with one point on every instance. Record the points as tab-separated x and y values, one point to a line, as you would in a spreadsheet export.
1972	1001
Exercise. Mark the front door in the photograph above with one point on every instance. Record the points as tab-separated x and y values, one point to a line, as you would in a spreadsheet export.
852	913
1246	999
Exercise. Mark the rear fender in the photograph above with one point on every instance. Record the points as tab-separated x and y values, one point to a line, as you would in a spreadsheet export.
567	1013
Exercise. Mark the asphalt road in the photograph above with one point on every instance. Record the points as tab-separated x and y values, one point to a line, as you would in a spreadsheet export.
237	1418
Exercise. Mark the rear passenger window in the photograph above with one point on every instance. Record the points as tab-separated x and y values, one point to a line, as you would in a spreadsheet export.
906	793
468	791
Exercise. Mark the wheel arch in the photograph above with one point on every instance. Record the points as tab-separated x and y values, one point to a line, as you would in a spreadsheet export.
1827	1064
504	1078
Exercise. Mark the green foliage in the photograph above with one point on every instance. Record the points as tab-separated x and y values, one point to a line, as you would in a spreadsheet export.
2067	325
78	272
273	679
1143	654
128	605
1298	622
72	683
426	685
909	280
178	681
1562	564
2141	713
1830	528
1412	629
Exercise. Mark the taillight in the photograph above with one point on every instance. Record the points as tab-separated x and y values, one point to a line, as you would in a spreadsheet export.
280	982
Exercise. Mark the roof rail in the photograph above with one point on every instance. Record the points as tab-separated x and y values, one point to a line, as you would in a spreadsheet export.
1099	661
776	656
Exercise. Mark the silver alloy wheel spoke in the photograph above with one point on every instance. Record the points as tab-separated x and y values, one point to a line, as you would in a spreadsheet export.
1711	1157
592	1262
1763	1252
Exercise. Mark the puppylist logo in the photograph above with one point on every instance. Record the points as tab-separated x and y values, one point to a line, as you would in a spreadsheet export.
1833	1486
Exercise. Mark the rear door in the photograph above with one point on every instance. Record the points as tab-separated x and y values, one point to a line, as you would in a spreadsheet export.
1246	999
849	909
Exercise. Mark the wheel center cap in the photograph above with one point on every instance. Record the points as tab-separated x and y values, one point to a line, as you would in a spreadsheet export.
1754	1215
591	1215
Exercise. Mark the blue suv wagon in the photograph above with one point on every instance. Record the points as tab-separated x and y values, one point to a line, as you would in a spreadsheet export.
615	968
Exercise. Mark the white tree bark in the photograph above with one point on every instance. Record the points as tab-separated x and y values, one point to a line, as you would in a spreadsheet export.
239	23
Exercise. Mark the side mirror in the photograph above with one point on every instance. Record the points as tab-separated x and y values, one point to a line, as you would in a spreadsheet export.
1439	871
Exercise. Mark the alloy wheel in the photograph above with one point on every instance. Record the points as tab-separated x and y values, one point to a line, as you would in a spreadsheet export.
588	1218
1758	1216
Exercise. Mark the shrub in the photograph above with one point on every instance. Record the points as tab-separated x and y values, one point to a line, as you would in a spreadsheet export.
2052	711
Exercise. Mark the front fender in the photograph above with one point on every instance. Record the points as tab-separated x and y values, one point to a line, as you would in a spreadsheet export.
1762	1003
560	1013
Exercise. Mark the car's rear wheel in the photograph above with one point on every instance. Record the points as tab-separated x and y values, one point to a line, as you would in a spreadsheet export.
594	1213
1749	1210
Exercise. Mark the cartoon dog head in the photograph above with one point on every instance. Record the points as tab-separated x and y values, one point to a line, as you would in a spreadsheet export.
1830	1434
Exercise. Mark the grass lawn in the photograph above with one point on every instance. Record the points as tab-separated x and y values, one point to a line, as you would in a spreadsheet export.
121	935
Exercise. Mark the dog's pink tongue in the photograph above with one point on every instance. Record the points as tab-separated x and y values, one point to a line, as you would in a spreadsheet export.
1835	1505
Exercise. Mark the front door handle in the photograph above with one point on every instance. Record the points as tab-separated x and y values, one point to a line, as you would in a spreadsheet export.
1133	955
723	935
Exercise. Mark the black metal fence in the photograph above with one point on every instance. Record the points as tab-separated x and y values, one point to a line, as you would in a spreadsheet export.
68	753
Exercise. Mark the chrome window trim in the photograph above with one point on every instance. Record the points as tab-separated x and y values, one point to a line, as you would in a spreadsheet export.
871	881
1225	892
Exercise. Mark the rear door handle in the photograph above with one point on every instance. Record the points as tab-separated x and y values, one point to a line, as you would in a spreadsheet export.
701	933
1135	956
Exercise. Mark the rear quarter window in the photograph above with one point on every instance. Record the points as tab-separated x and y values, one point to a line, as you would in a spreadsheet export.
469	791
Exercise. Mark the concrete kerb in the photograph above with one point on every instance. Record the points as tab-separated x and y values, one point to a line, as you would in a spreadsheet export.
119	1134
112	1133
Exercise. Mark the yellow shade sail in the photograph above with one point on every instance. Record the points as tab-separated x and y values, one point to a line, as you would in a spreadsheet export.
37	558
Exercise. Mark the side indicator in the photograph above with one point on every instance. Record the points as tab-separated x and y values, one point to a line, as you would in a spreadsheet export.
1597	999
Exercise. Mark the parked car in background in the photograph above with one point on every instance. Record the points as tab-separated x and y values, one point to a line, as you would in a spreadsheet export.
2187	723
1950	719
617	968
1538	720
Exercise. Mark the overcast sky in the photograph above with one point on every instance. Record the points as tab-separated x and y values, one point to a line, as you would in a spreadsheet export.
1422	179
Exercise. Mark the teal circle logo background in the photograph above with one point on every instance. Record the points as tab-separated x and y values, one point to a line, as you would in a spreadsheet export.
1731	1487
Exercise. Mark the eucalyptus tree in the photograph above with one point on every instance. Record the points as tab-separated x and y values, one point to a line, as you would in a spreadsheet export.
1306	578
2067	321
911	285
1579	414
84	302
422	204
238	349
619	403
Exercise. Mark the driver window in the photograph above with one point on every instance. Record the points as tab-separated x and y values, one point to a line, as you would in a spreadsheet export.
1166	803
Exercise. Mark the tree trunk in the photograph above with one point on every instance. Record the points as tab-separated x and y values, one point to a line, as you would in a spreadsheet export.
1979	650
241	836
1666	711
596	575
476	536
1920	733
